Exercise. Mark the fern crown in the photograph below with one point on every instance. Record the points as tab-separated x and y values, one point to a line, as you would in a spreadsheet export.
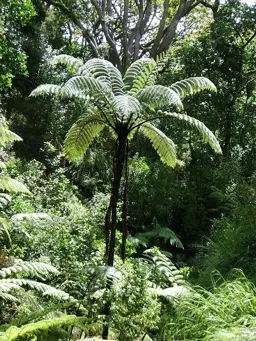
126	104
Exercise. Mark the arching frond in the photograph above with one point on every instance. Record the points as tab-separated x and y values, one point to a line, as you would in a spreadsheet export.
11	185
48	89
161	143
4	231
43	288
14	333
28	268
138	75
165	233
81	135
165	266
125	106
4	200
70	62
7	136
159	96
83	86
191	122
192	86
105	72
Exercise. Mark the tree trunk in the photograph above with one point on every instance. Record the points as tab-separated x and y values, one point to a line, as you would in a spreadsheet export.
111	221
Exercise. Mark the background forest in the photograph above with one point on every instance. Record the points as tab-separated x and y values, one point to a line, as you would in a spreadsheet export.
127	170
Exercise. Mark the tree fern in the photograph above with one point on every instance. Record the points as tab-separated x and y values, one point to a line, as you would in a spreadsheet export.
163	145
123	106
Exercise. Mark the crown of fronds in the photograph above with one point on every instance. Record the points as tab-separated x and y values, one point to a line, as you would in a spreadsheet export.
115	102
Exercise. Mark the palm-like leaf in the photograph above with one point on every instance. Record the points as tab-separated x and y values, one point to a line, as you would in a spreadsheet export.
192	85
83	86
7	136
159	96
70	62
11	185
105	72
31	329
191	122
139	74
47	89
161	143
81	135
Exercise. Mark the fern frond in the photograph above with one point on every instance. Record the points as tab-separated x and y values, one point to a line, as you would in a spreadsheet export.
11	185
193	123
6	135
84	86
70	62
165	266
192	86
161	143
138	75
47	89
105	72
4	230
45	289
159	96
4	200
81	135
14	333
125	106
32	268
159	232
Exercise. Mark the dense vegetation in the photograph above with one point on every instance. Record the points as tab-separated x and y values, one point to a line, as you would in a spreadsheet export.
127	170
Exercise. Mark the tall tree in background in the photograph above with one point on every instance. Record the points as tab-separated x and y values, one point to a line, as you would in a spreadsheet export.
128	30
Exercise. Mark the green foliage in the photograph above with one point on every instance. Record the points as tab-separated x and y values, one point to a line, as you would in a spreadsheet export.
226	313
29	331
134	312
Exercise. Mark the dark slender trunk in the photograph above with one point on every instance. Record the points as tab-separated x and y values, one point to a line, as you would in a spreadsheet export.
111	218
119	165
124	208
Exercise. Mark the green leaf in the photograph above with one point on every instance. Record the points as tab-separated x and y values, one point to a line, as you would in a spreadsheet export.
81	135
192	86
161	143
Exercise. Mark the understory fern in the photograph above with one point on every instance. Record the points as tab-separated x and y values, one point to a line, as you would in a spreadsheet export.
12	279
